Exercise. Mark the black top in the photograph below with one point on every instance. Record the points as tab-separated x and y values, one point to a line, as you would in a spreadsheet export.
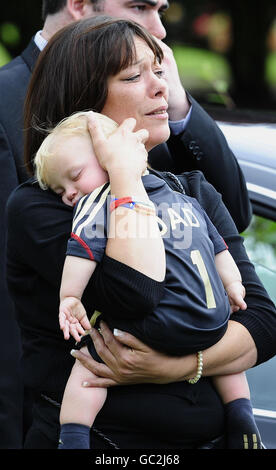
39	225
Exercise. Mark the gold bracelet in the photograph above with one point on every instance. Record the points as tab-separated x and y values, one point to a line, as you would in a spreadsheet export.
198	375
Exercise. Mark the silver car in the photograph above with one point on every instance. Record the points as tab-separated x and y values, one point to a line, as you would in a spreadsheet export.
255	148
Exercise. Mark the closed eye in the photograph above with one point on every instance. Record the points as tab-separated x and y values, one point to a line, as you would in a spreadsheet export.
132	79
75	175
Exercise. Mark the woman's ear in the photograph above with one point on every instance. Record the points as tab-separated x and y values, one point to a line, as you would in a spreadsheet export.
79	9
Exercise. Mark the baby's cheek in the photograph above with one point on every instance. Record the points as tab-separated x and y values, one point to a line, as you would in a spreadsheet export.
97	178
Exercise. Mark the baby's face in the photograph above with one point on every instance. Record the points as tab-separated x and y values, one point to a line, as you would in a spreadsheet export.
75	170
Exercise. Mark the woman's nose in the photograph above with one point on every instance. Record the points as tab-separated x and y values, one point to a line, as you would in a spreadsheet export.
160	87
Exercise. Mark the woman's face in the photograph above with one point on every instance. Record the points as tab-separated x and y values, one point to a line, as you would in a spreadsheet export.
140	91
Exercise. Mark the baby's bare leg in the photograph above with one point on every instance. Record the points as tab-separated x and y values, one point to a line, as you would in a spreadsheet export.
81	404
232	387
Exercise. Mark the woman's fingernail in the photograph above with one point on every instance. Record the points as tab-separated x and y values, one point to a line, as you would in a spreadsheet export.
73	352
117	332
85	384
92	333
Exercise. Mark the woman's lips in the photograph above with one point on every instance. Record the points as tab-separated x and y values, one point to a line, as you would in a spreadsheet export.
159	112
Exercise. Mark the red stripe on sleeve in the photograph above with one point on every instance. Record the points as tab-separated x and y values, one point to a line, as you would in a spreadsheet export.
225	244
83	244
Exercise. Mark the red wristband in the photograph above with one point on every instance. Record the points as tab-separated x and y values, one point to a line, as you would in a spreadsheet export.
119	202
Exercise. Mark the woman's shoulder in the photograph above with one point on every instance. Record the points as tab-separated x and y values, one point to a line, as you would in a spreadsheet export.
24	191
196	185
29	198
193	184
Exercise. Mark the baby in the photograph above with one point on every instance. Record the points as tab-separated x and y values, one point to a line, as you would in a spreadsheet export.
66	163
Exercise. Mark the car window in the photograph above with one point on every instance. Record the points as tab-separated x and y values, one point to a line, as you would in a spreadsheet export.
262	383
260	243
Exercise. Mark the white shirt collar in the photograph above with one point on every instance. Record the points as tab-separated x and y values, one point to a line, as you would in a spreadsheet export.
40	41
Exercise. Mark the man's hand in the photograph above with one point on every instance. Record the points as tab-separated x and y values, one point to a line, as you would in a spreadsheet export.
128	361
178	102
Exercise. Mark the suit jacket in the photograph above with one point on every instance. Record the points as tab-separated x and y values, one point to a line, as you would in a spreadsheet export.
14	78
202	146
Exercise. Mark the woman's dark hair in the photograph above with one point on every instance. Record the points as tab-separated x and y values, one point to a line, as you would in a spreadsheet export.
72	73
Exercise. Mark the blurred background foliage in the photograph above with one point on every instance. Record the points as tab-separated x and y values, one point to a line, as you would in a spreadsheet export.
226	50
260	242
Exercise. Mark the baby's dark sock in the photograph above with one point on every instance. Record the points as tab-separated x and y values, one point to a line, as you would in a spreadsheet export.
241	428
74	436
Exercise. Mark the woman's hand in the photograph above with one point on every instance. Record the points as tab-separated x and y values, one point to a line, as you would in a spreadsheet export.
123	151
129	361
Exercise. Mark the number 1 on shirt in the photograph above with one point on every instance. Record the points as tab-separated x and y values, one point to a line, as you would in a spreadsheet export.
198	261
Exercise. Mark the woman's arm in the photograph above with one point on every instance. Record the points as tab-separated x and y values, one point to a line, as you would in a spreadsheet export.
129	361
134	238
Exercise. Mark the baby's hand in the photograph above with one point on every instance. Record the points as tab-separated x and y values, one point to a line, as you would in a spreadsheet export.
72	318
236	294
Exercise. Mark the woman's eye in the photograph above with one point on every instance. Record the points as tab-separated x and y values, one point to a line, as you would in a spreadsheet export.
132	78
160	73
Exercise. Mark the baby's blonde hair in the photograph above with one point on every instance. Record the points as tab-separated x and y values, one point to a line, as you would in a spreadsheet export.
76	124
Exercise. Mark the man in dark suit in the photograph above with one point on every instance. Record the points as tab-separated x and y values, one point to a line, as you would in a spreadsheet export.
14	79
196	143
